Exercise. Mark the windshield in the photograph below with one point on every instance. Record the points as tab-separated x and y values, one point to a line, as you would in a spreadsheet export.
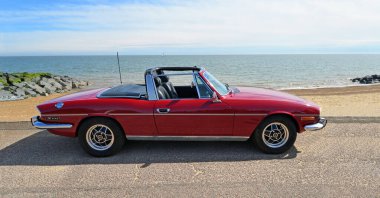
220	87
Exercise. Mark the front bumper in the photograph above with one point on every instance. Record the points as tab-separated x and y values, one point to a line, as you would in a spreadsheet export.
36	122
317	126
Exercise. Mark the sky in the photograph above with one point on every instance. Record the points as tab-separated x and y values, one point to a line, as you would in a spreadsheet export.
173	27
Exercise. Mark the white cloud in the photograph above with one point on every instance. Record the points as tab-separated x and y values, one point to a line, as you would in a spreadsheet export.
197	24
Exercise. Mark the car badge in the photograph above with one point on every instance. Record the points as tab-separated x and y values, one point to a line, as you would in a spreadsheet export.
59	105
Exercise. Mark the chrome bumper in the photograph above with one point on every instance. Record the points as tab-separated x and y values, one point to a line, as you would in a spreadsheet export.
36	122
317	126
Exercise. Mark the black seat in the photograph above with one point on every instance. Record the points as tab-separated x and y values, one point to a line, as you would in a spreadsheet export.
161	91
169	87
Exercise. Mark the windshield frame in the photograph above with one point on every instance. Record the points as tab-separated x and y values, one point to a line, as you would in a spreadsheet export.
217	86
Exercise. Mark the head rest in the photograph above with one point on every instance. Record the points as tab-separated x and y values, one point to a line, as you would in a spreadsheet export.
157	81
164	79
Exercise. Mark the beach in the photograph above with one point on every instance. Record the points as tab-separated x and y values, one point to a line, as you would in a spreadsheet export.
362	101
358	101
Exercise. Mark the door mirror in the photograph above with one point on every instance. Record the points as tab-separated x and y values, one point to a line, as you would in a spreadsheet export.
215	98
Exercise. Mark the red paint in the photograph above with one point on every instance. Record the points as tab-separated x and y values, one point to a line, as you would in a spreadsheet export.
194	118
139	116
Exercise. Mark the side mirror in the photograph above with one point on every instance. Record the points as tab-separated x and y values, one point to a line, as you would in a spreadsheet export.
215	98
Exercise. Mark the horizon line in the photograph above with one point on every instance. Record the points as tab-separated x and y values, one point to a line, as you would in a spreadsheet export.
251	54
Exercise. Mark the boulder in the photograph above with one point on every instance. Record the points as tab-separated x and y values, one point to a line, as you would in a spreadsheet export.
79	83
7	88
66	85
36	79
76	84
20	85
57	78
36	88
6	95
45	81
355	79
57	85
30	92
14	78
50	84
49	88
12	88
19	93
66	78
3	80
369	79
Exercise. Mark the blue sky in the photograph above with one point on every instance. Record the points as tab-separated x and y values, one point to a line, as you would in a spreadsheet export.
38	27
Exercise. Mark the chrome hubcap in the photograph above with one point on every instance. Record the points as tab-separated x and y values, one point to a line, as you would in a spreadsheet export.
275	135
100	137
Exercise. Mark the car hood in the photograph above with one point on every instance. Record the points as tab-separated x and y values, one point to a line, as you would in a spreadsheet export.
251	93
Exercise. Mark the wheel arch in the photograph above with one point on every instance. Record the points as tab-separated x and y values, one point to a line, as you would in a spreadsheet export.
95	117
283	114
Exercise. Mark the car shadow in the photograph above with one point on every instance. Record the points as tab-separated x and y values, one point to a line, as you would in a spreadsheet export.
45	149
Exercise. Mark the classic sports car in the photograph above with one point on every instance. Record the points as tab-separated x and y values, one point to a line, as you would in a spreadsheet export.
179	103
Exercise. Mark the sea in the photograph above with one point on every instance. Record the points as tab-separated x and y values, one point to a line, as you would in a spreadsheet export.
268	71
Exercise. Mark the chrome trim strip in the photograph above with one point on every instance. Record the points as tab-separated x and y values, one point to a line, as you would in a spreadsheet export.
189	114
132	97
317	126
299	115
173	74
208	87
188	138
64	114
42	125
198	114
150	87
131	114
167	110
196	85
251	114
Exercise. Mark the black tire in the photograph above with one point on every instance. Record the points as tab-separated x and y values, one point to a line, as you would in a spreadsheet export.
263	139
110	147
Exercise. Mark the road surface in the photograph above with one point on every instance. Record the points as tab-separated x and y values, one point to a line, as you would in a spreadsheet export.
341	160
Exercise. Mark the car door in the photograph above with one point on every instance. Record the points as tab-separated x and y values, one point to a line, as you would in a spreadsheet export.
200	116
193	117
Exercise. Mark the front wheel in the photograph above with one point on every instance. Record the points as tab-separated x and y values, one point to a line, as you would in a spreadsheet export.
101	137
275	135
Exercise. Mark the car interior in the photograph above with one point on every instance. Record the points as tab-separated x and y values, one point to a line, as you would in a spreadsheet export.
166	89
181	86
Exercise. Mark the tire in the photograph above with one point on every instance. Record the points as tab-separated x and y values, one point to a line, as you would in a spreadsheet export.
275	135
101	137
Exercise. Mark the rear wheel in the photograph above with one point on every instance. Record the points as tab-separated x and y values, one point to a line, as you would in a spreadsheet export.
275	135
101	137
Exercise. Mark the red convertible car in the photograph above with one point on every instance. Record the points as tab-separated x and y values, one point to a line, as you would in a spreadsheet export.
179	103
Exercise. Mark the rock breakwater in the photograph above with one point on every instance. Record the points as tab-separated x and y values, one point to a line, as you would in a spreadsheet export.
370	79
17	86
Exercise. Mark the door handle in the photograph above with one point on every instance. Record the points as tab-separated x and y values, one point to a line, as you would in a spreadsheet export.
163	110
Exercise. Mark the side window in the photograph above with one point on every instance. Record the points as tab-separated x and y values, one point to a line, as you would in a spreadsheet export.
204	90
177	86
180	80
